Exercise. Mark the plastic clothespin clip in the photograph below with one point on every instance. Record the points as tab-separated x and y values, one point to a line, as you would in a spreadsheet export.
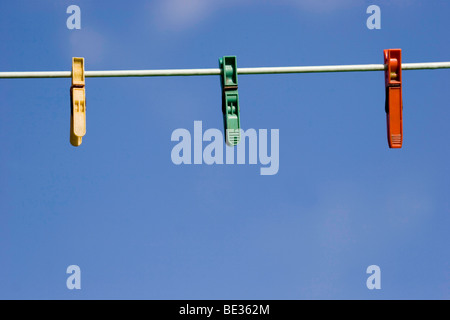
394	101
230	99
77	103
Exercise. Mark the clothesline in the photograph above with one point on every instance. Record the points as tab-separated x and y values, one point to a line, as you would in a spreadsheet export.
217	71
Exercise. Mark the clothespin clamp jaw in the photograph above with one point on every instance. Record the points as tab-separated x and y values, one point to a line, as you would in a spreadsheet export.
77	103
394	101
230	100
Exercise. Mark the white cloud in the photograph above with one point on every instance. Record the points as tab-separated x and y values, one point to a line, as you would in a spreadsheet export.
181	14
89	44
323	5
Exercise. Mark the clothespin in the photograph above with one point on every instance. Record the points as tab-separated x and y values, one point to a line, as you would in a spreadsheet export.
77	103
394	101
230	99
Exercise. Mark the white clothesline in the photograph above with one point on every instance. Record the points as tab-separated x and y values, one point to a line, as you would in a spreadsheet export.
210	72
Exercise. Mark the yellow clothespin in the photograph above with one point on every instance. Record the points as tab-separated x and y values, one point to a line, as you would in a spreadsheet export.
77	103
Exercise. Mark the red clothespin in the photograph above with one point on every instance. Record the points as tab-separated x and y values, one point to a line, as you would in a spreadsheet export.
394	101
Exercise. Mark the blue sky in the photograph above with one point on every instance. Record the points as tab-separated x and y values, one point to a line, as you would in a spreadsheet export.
141	227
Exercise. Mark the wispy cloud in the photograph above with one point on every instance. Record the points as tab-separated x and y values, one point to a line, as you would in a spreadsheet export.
322	5
89	44
182	14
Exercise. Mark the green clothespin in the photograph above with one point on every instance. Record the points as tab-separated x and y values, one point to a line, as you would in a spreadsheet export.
230	99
